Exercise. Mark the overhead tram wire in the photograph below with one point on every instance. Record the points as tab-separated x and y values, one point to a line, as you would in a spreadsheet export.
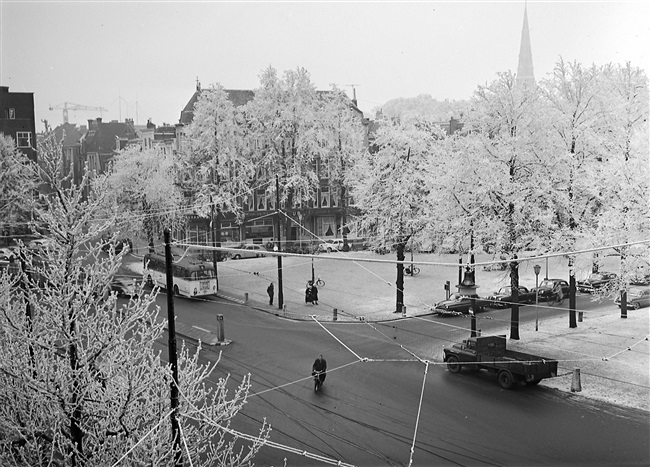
425	263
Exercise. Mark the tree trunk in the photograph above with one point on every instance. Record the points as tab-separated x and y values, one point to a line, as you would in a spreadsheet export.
514	313
400	278
76	434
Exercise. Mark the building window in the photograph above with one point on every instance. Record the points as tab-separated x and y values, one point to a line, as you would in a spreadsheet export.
325	198
24	139
10	113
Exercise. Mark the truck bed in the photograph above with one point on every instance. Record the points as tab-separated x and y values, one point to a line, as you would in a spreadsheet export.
490	353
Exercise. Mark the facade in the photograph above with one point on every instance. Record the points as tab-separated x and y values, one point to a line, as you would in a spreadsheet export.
17	120
70	137
323	216
102	141
162	139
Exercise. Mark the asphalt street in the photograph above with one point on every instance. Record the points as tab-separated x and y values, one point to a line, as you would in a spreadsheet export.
387	392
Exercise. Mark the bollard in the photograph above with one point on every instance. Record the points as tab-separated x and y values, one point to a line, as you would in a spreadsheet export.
404	311
245	297
576	386
580	316
220	328
334	317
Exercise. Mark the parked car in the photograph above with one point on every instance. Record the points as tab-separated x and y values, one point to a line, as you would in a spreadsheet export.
636	297
333	244
252	251
124	287
38	243
6	254
503	297
547	286
458	303
595	281
118	245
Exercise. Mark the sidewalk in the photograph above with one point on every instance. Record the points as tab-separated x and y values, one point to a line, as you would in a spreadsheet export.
612	353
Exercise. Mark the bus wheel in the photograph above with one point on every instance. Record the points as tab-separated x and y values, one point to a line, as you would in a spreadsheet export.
149	281
176	290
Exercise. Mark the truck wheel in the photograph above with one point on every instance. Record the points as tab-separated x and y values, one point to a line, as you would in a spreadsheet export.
505	379
452	364
176	290
149	281
532	381
636	305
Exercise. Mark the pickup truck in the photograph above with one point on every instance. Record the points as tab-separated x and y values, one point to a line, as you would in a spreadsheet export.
490	353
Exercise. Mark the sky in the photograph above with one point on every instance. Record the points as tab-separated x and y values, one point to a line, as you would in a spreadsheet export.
141	60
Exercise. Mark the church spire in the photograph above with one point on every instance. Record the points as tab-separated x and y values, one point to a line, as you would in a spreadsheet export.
525	74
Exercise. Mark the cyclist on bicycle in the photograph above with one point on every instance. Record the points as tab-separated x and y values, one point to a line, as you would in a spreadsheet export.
319	368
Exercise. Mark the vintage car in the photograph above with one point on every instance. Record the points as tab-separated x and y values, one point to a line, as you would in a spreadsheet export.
547	286
123	286
333	244
636	297
251	251
595	281
503	297
460	304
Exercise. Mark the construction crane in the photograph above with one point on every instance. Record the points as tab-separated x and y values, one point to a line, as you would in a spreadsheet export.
66	106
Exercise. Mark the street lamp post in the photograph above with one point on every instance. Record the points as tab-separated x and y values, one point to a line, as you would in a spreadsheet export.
537	268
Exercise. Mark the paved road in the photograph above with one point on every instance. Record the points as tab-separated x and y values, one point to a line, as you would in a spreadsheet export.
368	411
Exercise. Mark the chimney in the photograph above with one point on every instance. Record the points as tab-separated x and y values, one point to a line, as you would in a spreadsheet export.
91	124
99	120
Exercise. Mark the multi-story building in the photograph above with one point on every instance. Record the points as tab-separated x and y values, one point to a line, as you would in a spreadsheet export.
102	141
322	217
17	120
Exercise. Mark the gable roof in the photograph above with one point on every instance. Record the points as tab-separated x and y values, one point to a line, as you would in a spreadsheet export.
69	133
101	137
238	97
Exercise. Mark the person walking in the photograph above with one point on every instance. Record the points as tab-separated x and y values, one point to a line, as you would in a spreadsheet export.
270	291
311	293
314	294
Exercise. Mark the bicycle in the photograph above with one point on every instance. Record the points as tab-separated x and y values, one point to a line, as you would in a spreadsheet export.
412	270
318	282
318	383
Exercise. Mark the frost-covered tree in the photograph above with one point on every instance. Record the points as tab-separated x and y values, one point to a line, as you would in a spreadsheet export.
623	214
303	135
495	176
220	163
82	383
425	107
18	182
142	193
391	187
571	98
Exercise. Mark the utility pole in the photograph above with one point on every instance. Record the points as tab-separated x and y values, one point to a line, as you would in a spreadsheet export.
278	244
173	357
572	295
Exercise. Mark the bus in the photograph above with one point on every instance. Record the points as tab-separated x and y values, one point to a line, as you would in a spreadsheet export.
192	278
